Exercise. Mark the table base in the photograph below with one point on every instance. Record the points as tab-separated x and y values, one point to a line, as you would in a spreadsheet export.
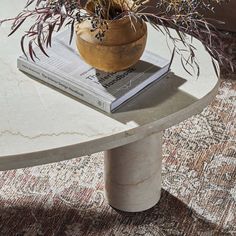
133	174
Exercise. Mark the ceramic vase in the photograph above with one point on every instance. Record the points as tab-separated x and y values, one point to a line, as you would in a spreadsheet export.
120	47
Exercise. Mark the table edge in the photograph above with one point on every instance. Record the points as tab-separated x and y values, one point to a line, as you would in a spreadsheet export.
108	142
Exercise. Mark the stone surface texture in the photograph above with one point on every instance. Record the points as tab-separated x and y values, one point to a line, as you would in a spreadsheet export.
133	174
40	125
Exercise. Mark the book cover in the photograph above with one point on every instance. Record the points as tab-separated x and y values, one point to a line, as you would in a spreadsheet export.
65	70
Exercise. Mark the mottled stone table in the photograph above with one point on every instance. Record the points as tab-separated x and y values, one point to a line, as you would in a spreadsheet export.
39	125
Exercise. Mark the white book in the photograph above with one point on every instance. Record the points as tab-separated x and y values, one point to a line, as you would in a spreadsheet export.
65	70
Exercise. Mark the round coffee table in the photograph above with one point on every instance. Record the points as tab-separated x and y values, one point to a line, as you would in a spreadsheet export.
39	125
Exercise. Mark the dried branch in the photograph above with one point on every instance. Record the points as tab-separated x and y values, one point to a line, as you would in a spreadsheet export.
183	16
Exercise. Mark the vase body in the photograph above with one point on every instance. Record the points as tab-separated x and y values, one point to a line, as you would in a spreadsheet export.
121	47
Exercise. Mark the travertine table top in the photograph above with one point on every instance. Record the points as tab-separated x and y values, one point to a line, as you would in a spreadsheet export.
40	125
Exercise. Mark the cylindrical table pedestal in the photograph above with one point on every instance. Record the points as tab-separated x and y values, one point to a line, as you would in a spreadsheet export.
133	174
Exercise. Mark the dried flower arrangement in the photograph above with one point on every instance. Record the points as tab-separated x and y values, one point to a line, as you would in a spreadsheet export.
182	15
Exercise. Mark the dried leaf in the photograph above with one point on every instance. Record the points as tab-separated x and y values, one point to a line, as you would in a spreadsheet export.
15	29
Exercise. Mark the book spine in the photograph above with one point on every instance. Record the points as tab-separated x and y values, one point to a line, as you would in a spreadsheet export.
63	85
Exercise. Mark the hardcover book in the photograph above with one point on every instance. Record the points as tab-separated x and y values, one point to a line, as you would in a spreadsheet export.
65	70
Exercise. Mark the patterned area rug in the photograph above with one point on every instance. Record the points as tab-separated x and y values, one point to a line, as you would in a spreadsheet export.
198	189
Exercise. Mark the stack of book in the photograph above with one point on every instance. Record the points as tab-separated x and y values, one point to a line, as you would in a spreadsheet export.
65	70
